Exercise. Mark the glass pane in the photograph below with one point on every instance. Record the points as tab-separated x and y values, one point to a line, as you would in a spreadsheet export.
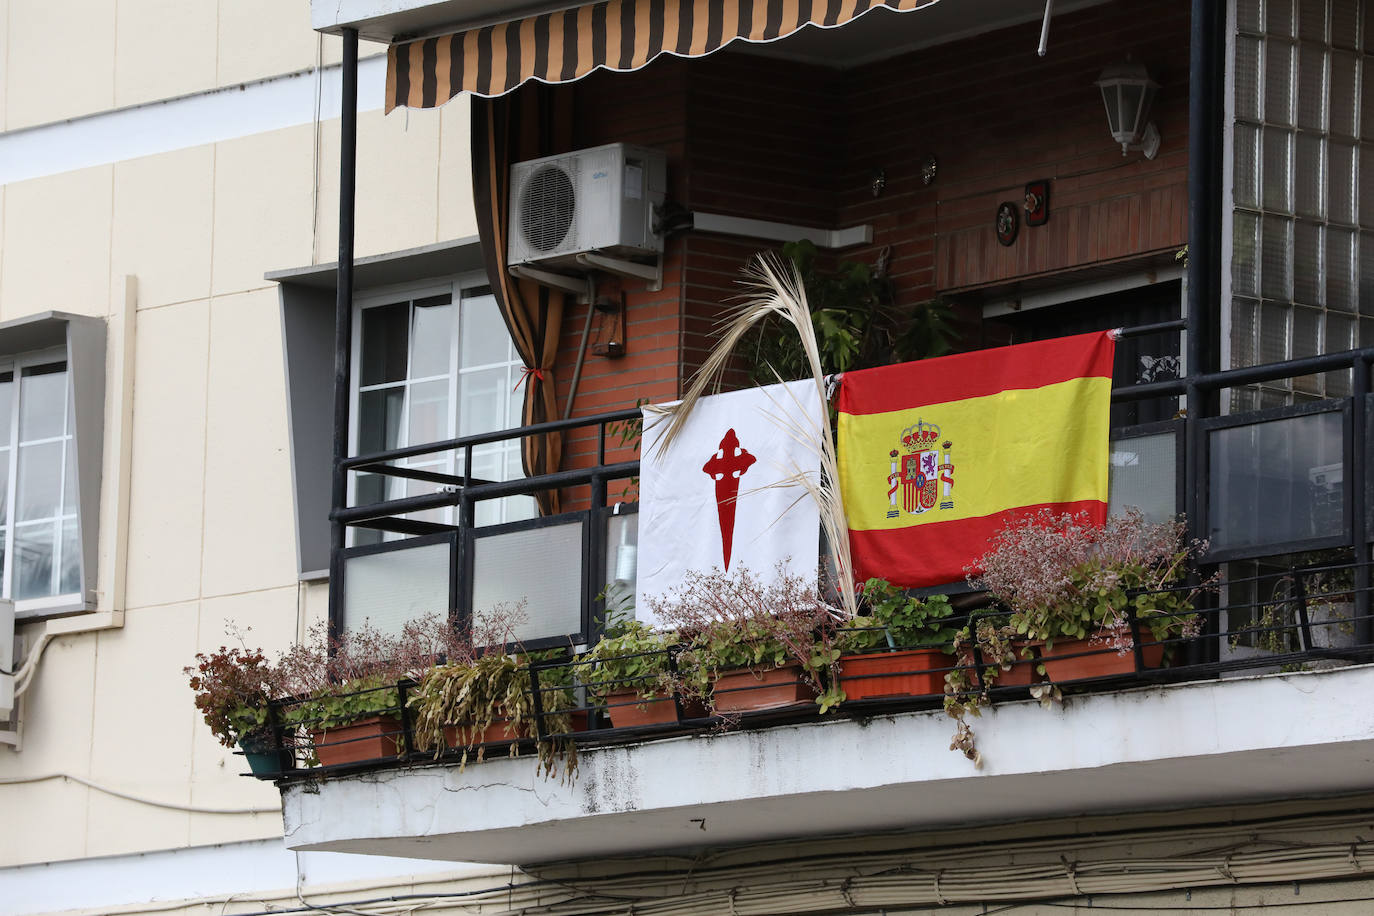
1365	272
40	479
1247	78
1246	179
1311	86
1245	254
1144	476
42	402
1312	20
1278	82
33	561
1277	151
4	487
69	571
430	416
1340	269
484	337
1276	481
1274	334
375	488
69	500
1342	94
1248	15
515	405
392	588
1345	23
1278	17
1365	178
432	347
1309	178
1276	271
1244	332
482	401
1366	110
552	600
379	420
6	405
385	334
622	563
1340	181
1307	263
427	488
1307	331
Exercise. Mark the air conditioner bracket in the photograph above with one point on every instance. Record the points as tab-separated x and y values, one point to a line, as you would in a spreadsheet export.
578	286
651	272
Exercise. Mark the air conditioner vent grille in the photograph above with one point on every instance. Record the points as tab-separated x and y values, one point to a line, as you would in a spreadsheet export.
547	204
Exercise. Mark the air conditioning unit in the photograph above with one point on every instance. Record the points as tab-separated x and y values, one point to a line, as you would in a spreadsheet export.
594	201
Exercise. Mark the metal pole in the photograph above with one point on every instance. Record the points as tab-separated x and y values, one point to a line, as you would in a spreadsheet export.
1359	469
1203	126
343	318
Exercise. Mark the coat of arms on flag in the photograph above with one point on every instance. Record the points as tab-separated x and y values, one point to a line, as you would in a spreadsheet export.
721	496
1028	424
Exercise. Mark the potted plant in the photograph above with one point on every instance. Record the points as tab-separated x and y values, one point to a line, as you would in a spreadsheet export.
751	645
630	672
470	704
898	648
233	688
1074	586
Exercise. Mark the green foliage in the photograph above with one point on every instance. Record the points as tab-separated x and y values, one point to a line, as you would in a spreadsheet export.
857	323
232	689
897	620
631	656
346	703
470	697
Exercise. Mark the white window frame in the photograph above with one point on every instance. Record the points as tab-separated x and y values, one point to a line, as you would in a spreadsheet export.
16	364
457	288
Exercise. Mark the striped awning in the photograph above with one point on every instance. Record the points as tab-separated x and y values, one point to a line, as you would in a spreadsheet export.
566	45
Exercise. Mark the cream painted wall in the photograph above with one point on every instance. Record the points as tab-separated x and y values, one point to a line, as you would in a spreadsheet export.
210	518
67	58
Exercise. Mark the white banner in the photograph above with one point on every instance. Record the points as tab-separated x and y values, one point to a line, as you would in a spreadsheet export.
717	498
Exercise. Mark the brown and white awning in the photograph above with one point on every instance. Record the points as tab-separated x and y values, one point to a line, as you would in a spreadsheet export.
566	45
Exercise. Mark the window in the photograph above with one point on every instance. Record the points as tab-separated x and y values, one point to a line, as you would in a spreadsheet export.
52	412
430	363
1302	208
40	550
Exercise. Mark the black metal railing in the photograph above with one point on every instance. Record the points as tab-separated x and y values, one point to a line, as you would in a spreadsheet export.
1282	620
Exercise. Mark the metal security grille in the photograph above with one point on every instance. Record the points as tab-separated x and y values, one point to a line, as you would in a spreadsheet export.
1303	190
547	204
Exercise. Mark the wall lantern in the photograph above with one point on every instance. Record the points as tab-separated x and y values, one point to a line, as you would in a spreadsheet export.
1127	91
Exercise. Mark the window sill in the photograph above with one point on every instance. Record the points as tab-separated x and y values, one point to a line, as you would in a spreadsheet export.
56	606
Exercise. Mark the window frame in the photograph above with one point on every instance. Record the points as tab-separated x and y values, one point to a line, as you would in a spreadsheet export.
458	287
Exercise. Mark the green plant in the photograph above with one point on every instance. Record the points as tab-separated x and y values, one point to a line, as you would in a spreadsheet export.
857	323
495	688
1064	578
897	621
967	685
738	621
233	687
631	656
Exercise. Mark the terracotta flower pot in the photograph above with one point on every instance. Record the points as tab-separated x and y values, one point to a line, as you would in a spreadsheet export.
1022	673
909	673
743	690
498	730
1105	661
367	739
628	709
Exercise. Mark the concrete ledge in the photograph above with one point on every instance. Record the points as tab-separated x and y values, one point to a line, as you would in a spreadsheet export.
1269	737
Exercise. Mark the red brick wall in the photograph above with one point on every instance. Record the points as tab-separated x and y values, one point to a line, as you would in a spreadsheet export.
790	142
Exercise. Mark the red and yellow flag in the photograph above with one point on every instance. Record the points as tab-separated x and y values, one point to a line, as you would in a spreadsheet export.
936	456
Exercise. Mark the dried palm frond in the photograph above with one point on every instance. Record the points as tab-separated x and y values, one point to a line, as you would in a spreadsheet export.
776	289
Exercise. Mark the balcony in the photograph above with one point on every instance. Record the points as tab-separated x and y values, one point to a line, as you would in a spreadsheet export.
1249	704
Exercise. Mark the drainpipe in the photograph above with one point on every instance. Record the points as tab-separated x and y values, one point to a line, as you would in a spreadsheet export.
343	317
1204	227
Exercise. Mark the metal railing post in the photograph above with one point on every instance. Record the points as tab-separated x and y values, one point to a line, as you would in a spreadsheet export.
343	319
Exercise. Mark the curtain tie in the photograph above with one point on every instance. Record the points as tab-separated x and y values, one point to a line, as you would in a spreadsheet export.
526	372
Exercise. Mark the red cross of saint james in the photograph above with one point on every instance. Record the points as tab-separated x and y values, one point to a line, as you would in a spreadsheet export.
726	467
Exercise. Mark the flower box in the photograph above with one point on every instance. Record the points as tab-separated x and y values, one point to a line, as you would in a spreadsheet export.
909	673
746	690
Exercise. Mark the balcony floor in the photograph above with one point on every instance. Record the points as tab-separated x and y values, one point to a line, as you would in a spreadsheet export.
1255	738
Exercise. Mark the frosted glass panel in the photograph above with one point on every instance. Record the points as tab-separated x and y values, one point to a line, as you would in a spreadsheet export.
1276	481
622	563
388	589
1144	476
541	567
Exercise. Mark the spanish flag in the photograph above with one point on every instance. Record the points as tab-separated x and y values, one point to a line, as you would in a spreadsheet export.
936	456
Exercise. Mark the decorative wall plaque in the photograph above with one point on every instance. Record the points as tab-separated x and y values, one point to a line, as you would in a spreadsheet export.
1008	222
